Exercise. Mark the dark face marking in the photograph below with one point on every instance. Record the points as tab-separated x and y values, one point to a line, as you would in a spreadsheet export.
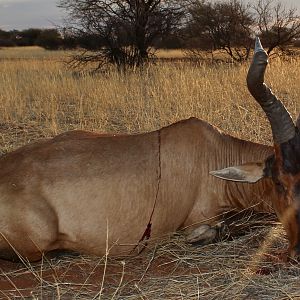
297	190
290	152
284	169
297	247
272	171
269	163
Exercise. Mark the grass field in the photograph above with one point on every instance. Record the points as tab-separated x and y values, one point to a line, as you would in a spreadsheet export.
41	97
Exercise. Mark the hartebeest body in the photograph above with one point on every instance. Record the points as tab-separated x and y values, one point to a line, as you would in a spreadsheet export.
85	192
74	190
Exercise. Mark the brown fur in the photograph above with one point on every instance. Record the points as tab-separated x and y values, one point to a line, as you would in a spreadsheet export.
77	189
287	205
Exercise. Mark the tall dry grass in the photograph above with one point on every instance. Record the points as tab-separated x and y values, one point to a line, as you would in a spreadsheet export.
38	90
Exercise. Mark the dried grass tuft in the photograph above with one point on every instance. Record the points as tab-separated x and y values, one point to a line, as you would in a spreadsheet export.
248	266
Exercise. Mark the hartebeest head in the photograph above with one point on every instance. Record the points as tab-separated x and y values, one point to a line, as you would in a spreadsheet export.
284	165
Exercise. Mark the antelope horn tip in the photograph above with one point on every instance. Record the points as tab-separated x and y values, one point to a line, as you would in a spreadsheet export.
258	46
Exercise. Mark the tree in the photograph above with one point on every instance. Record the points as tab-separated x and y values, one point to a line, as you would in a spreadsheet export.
277	25
222	25
126	29
28	37
49	39
6	39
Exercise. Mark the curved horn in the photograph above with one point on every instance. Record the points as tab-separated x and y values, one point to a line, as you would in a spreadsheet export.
282	125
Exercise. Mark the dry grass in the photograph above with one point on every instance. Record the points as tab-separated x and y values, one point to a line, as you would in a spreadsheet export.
172	53
247	267
40	97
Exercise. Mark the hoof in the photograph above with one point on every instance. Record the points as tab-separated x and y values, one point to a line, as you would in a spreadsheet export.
204	234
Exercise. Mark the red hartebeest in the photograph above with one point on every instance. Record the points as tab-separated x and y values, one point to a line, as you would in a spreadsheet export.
84	191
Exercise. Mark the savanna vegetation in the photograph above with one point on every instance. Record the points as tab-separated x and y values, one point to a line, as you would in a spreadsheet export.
40	97
126	33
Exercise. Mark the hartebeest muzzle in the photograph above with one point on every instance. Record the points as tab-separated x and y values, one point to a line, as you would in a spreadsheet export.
284	166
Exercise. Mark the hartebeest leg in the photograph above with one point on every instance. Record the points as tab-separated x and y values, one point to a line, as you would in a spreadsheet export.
203	234
18	249
9	254
28	228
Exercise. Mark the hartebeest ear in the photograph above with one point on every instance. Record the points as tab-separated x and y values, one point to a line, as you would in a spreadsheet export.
249	172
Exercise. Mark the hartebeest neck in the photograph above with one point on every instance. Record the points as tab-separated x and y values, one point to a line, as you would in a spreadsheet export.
260	195
216	151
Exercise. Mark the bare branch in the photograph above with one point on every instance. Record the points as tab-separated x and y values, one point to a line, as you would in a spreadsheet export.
127	28
278	25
